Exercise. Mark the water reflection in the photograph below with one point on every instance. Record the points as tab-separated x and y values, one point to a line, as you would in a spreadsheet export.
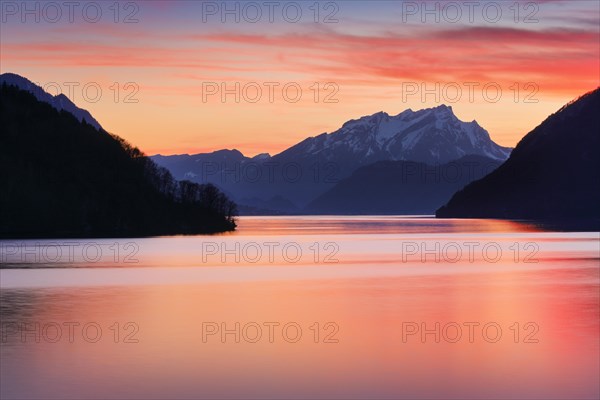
364	327
374	224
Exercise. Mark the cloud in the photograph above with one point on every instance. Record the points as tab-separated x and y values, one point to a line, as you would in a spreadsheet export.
554	58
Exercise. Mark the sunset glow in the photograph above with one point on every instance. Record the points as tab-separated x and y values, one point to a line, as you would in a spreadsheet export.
305	199
376	57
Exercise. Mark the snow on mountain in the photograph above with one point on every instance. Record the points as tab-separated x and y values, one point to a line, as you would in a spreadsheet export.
59	102
433	135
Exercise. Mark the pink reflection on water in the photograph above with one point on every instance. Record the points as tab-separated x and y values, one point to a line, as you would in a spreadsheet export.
371	296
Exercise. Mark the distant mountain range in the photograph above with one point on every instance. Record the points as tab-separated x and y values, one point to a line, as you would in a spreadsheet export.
59	102
295	177
289	181
553	174
63	173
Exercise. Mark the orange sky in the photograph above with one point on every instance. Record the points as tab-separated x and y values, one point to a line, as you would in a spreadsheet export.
376	57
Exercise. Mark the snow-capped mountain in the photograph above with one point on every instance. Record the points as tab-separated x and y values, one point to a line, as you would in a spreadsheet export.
59	102
432	136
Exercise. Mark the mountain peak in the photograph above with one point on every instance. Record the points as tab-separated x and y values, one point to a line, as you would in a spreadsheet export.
431	135
442	112
59	102
262	157
443	107
12	78
367	119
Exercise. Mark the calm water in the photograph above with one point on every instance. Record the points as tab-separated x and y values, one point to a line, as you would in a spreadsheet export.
323	307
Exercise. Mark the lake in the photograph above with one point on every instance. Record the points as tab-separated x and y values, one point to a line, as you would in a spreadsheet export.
306	307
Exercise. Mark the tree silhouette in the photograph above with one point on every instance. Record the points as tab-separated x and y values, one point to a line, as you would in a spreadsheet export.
62	177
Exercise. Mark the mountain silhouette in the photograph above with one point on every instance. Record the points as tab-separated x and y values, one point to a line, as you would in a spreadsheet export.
301	173
552	175
65	178
59	102
400	187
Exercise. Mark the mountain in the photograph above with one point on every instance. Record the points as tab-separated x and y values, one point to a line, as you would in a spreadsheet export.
400	187
203	166
65	178
59	102
308	169
432	136
553	173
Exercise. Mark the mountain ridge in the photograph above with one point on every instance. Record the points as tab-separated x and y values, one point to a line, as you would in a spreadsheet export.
552	174
433	136
381	136
400	187
65	178
59	102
